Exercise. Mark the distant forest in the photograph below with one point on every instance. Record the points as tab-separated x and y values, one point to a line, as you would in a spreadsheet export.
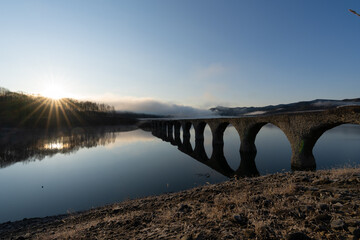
35	111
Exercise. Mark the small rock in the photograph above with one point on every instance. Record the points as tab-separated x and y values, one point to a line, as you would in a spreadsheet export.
337	205
232	206
267	203
351	229
241	219
337	224
249	234
298	236
322	181
187	237
353	179
184	208
356	234
321	228
323	218
201	236
116	211
306	208
306	179
257	199
265	232
323	206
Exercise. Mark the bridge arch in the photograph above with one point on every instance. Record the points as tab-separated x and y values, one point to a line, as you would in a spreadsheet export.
249	130
317	131
310	139
232	144
208	139
188	142
327	145
273	149
217	160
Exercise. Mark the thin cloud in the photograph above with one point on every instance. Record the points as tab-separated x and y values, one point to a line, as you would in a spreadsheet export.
152	106
211	71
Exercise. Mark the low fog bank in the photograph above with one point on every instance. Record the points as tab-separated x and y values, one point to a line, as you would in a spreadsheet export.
150	106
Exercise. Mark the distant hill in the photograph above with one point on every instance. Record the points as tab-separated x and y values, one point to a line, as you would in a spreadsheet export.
318	104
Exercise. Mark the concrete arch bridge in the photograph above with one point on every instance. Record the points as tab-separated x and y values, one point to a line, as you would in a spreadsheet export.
302	129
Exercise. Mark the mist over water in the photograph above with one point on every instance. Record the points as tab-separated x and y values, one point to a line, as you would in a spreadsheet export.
43	175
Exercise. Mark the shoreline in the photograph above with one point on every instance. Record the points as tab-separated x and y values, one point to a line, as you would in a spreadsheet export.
295	205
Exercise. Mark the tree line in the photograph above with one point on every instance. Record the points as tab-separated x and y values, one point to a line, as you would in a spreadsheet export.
25	110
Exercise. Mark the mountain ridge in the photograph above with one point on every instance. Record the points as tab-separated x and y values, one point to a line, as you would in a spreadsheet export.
317	104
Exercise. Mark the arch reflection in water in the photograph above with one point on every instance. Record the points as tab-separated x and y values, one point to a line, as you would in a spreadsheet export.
217	161
25	146
338	146
232	144
278	149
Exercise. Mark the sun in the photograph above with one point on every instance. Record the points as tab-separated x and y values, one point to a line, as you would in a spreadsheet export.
54	91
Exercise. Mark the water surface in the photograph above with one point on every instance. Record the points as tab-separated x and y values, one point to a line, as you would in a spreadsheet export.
47	174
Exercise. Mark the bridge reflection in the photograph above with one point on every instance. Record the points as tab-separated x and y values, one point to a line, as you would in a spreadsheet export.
217	161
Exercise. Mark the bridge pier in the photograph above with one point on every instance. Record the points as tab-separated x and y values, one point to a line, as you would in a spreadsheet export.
219	163
163	133
177	127
247	132
302	145
199	130
186	129
199	149
247	166
170	136
302	157
217	131
186	145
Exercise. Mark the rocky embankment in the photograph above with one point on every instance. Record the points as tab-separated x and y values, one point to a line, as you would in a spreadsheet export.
300	205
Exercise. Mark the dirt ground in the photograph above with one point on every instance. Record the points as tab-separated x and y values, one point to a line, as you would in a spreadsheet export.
300	205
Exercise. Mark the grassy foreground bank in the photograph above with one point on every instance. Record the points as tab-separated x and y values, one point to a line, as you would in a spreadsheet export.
300	205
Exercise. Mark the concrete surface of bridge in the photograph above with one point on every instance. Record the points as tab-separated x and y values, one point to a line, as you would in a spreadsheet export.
302	129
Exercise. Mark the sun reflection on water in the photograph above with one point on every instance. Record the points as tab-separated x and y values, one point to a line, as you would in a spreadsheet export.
56	145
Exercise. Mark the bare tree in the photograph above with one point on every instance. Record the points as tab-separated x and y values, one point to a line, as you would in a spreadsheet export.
3	91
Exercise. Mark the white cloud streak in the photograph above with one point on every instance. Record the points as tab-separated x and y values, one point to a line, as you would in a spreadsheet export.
212	71
152	106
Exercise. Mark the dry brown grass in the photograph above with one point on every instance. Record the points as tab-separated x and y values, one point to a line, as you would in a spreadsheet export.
267	207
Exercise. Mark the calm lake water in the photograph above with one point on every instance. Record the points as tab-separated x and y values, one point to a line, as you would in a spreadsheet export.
47	174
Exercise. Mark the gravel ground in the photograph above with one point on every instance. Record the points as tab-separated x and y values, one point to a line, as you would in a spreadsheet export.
300	205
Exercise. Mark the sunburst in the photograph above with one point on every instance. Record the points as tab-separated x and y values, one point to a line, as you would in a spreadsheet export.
54	91
49	111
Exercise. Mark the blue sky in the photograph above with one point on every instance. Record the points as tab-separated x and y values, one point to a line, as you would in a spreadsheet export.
194	53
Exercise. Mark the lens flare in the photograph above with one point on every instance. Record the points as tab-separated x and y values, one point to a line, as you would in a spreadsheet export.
54	91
